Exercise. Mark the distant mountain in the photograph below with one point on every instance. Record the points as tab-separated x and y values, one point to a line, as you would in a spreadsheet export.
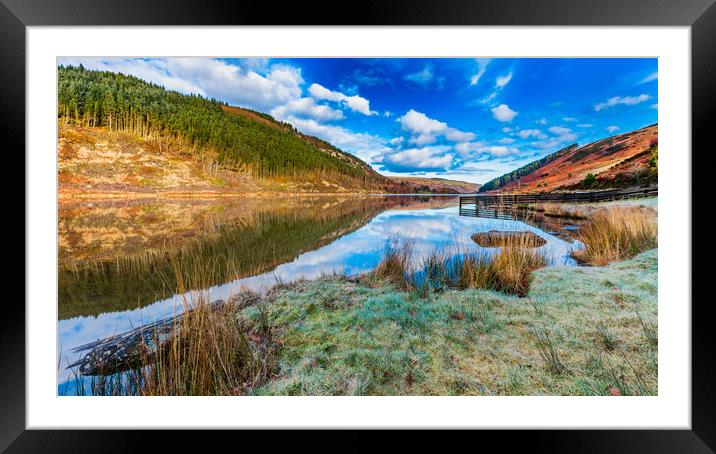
140	137
623	160
433	185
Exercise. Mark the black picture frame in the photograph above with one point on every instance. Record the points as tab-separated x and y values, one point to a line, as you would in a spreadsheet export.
700	15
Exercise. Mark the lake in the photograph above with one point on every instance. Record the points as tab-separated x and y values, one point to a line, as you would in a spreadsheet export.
120	260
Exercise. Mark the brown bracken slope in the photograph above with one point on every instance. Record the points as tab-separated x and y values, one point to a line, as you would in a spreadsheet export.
618	161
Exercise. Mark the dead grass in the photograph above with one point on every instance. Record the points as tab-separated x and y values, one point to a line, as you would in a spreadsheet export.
614	234
514	264
508	270
212	350
394	267
560	210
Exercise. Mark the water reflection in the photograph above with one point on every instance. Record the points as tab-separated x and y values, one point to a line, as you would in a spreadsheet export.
119	256
355	252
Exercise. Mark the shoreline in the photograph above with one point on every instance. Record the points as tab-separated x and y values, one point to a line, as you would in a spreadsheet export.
67	197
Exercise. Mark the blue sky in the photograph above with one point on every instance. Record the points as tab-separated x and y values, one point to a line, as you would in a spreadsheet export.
467	119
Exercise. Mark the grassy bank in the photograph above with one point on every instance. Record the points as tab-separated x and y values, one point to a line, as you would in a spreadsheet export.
580	331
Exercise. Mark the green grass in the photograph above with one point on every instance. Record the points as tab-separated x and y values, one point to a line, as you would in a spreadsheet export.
571	335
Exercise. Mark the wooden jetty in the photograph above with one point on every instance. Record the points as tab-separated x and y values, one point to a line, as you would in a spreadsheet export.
500	205
126	351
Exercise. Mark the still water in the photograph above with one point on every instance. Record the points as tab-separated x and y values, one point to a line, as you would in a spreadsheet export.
114	276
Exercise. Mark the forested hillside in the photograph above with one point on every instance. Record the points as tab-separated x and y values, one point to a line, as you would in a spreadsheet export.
207	129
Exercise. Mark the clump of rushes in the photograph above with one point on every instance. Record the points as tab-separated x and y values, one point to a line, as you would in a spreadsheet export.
508	270
606	337
210	352
617	234
394	267
475	272
548	351
514	264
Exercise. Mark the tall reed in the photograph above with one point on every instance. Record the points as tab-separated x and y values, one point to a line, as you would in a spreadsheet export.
211	350
616	234
394	266
514	264
507	270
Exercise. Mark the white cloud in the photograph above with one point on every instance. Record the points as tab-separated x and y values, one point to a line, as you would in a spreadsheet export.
655	106
433	157
626	100
366	146
506	141
421	77
585	125
387	114
501	81
468	150
488	99
541	121
499	150
471	168
561	136
650	77
481	68
306	107
355	103
423	139
503	113
559	130
506	130
455	135
256	84
415	121
612	128
569	119
426	130
527	133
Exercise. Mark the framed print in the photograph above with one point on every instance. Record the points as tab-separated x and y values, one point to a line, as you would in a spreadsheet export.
434	217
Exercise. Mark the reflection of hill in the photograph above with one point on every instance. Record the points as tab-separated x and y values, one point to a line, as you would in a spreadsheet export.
427	202
116	257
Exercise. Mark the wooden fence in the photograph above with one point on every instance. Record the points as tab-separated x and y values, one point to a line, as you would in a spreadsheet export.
471	205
